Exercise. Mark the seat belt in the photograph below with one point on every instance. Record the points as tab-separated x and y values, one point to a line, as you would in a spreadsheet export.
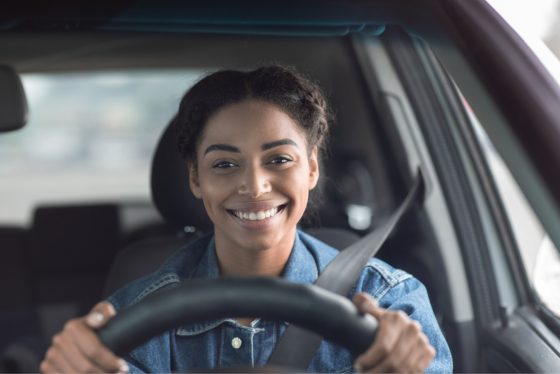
297	346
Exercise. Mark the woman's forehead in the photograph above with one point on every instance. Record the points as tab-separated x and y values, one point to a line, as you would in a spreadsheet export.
251	121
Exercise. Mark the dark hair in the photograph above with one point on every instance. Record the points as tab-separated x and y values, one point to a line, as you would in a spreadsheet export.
284	87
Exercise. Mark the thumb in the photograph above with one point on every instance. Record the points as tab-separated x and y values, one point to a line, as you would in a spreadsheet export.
367	304
100	315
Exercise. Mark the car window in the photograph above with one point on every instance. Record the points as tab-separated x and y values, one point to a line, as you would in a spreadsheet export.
539	256
94	131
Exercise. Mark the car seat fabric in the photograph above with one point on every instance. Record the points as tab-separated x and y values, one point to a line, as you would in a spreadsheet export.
13	102
63	260
17	317
71	249
74	238
13	267
170	186
74	242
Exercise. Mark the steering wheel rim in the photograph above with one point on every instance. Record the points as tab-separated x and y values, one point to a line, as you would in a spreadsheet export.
311	307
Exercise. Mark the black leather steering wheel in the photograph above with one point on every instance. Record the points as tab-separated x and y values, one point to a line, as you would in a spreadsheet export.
325	313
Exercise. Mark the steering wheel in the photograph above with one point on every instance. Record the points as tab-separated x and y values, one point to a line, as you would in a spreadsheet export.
332	316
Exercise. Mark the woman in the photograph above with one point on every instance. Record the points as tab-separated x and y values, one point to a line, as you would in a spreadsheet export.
251	141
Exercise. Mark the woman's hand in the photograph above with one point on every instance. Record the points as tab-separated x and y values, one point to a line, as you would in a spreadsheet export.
77	349
400	345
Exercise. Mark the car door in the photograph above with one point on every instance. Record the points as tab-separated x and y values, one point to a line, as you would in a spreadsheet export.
453	91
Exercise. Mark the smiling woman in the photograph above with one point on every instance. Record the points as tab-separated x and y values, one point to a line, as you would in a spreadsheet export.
251	145
270	171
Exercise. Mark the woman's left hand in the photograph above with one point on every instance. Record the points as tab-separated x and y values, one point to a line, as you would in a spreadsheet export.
400	345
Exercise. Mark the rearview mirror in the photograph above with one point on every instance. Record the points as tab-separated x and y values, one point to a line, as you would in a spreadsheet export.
13	104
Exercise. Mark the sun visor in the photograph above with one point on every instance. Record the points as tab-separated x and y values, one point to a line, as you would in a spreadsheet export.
13	104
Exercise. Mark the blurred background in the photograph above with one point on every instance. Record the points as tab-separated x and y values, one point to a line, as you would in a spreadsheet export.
538	21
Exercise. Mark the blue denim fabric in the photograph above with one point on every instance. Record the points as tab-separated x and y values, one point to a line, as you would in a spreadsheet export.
213	343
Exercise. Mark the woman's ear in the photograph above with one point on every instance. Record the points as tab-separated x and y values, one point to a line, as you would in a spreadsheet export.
193	180
313	168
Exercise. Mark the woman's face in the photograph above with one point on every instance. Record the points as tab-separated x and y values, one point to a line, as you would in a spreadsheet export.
254	173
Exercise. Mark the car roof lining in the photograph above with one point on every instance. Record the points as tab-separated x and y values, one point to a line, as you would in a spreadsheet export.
84	15
113	50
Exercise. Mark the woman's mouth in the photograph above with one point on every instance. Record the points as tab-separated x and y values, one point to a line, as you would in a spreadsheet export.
259	215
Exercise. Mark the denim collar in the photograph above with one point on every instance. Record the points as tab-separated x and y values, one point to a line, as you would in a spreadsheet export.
301	268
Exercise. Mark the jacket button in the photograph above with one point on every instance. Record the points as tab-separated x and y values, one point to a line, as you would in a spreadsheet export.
236	343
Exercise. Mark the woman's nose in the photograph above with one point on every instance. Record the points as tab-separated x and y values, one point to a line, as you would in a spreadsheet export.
254	183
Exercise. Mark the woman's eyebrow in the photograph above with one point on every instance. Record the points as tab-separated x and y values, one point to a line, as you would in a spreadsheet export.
222	147
277	143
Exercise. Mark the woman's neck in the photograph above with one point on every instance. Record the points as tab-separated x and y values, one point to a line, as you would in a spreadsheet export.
252	262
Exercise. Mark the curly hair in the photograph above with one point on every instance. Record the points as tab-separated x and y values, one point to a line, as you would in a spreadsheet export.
284	87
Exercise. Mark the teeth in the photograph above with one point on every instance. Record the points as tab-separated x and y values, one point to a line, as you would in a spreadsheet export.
256	216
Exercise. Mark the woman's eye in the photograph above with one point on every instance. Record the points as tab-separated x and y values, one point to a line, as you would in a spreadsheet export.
281	160
223	165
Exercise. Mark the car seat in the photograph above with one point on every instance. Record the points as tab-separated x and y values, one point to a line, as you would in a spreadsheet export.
59	266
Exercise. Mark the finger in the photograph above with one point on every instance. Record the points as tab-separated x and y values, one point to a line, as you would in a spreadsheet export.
367	304
54	361
47	367
411	345
426	359
94	351
420	349
409	351
390	326
75	358
385	366
100	314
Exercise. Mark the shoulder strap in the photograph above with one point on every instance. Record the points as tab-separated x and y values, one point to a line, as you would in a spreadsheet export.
297	346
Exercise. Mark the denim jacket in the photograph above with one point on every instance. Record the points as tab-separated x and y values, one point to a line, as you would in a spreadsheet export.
223	343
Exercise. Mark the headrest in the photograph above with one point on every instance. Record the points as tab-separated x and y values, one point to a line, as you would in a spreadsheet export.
170	186
77	237
13	104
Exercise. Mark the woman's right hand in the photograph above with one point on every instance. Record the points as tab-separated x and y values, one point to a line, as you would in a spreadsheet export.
77	349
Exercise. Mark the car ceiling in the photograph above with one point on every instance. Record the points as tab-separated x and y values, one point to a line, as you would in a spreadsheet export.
83	14
59	51
139	33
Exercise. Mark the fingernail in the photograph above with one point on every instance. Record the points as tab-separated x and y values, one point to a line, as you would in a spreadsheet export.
123	367
111	309
94	319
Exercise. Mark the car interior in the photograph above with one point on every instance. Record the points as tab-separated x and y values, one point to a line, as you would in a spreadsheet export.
71	255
